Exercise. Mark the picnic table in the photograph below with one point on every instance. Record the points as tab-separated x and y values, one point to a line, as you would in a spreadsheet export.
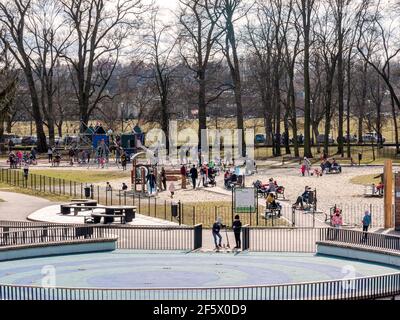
108	218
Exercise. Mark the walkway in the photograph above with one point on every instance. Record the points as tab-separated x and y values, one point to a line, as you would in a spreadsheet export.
19	206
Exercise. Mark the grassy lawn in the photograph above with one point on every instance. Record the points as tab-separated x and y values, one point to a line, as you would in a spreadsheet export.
29	192
366	179
84	176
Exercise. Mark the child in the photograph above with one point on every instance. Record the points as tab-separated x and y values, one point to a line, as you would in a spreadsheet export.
303	169
172	189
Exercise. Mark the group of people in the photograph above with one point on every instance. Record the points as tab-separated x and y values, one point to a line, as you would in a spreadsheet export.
326	166
205	174
337	220
17	159
216	232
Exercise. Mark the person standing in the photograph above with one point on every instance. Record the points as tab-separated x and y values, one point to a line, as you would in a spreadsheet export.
194	175
337	221
26	172
163	179
50	154
307	165
151	180
124	186
216	232
183	175
108	187
366	222
123	160
237	228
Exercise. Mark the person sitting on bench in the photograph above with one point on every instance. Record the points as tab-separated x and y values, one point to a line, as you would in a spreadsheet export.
271	186
335	165
271	202
304	198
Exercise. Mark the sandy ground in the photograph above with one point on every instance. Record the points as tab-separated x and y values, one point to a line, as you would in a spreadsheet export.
331	189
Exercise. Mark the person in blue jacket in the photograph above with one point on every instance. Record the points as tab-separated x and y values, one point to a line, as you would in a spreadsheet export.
366	222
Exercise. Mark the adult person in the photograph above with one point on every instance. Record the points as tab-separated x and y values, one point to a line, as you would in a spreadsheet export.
271	186
123	160
50	154
307	165
183	176
124	186
151	180
163	178
216	232
303	198
194	175
366	222
10	145
237	228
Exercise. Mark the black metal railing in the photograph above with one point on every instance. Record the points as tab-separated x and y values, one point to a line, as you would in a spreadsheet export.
349	289
360	238
190	213
129	237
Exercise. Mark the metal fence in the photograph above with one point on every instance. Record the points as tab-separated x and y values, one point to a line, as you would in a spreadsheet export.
192	214
349	289
305	239
129	237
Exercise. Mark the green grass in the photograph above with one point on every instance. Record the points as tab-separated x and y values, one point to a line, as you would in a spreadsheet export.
366	179
29	192
83	176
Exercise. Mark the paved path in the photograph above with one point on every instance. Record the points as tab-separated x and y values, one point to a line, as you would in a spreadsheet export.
19	206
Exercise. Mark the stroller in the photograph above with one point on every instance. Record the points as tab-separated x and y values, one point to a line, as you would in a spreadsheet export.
211	180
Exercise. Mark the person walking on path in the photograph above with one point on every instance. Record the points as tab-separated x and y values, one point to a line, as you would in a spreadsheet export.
216	232
366	222
307	165
237	229
194	175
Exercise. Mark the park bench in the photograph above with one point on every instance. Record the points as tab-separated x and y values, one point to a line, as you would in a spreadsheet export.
78	205
271	213
108	218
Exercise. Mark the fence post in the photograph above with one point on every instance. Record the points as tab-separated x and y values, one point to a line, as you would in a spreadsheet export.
165	209
180	212
194	215
197	236
245	237
98	194
293	217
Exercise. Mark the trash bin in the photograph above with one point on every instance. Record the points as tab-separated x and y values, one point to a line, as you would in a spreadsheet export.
174	209
87	192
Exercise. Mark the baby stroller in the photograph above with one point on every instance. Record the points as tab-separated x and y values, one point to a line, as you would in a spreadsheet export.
211	180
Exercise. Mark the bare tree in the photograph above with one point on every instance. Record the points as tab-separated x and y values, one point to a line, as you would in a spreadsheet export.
14	16
197	42
101	28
